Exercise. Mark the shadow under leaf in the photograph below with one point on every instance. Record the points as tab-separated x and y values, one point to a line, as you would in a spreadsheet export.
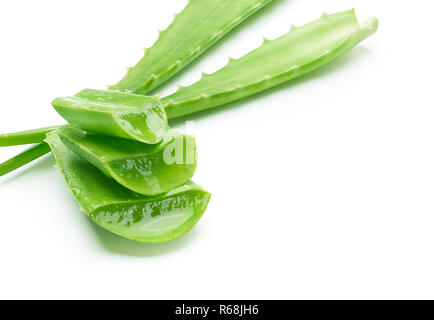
119	245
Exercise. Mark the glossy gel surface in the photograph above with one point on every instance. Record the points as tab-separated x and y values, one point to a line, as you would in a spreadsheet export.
131	215
143	168
127	116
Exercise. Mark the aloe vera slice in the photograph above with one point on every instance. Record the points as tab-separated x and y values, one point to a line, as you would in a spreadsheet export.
298	52
143	168
131	215
112	113
201	24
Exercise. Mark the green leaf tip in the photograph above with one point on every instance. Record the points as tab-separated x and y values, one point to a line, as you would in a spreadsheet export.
201	24
296	53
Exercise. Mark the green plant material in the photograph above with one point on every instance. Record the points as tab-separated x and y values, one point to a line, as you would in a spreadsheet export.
298	52
24	137
33	153
201	24
112	113
143	168
126	213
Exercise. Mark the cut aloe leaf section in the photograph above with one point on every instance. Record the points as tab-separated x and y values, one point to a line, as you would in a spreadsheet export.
112	113
294	54
143	168
131	215
201	24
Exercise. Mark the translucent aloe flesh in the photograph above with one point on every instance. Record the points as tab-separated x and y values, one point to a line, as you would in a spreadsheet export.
112	113
143	168
201	24
131	215
298	52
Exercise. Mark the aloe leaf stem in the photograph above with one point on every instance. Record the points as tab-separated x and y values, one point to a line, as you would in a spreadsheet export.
34	152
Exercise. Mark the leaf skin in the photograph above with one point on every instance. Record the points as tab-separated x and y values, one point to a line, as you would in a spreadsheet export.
298	52
24	137
113	113
34	152
201	24
137	166
126	213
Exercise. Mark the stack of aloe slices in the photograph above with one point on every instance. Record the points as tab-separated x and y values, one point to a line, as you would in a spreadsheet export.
129	172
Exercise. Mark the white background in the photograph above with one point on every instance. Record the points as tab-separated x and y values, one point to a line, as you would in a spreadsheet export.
322	187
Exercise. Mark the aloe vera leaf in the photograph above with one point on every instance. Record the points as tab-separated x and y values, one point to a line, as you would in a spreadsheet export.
27	156
126	213
113	113
298	52
193	31
24	137
143	168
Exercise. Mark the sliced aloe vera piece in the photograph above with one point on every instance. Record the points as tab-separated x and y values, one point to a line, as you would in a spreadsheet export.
131	215
112	113
143	168
298	52
201	24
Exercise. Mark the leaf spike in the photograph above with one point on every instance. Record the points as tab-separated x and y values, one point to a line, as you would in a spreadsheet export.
230	59
257	6
217	34
293	27
265	40
195	50
268	66
152	78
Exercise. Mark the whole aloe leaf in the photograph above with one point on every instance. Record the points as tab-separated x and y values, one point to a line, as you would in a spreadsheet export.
143	168
112	113
298	52
131	215
193	31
